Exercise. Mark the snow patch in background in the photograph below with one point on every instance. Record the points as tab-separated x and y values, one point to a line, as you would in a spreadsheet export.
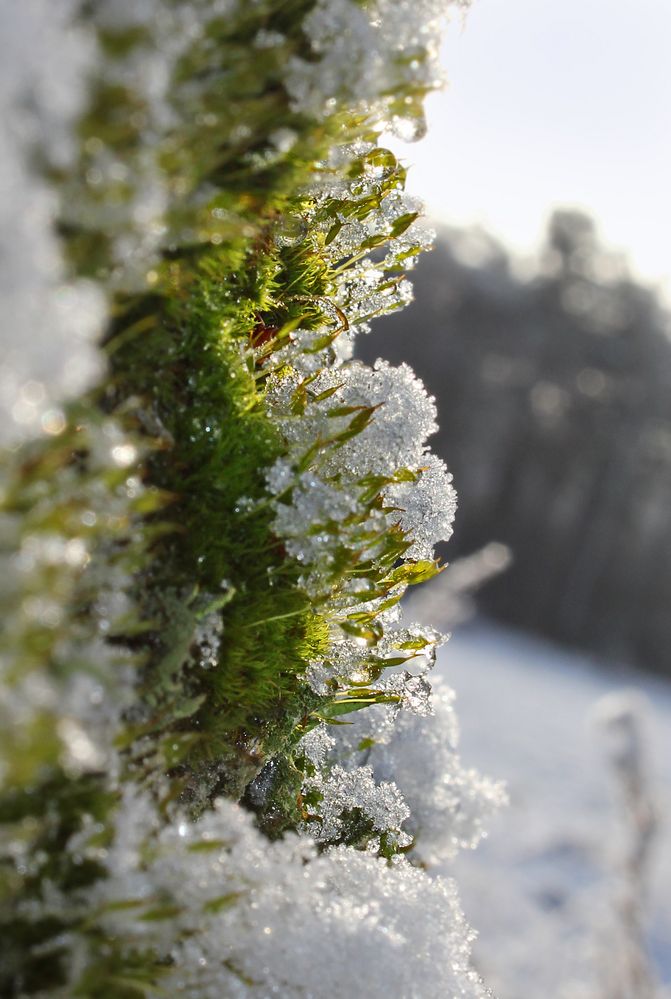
542	890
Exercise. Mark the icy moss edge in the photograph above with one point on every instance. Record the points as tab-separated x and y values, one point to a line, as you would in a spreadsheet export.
261	270
230	209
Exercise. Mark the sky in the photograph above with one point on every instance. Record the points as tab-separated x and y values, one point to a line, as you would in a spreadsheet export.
555	103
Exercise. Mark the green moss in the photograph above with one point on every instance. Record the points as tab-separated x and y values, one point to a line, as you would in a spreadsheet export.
183	353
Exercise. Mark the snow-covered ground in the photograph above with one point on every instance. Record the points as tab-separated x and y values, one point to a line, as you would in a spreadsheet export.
541	889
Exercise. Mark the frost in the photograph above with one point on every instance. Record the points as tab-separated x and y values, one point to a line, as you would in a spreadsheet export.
429	506
323	509
70	682
316	745
280	476
135	227
207	639
449	804
314	502
354	662
344	922
365	53
414	692
346	217
137	199
352	431
342	792
357	501
394	438
364	292
268	39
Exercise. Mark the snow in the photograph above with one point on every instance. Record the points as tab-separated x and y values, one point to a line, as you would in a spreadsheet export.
250	919
450	804
542	889
48	322
367	53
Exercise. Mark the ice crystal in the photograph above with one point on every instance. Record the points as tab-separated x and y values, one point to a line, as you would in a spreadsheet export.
414	692
324	509
364	292
354	662
356	499
362	54
316	745
315	503
395	438
346	217
207	639
428	507
343	791
392	440
357	466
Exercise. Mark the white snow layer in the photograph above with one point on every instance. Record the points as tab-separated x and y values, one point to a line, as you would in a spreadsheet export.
256	919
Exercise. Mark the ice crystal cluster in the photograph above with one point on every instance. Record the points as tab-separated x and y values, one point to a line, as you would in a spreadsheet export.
329	499
448	803
357	489
209	516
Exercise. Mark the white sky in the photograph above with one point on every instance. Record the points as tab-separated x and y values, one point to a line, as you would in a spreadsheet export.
555	102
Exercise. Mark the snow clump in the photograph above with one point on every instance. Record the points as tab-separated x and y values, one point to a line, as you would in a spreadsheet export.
344	917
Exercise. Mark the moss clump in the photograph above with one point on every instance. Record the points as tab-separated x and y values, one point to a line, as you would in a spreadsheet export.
185	354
